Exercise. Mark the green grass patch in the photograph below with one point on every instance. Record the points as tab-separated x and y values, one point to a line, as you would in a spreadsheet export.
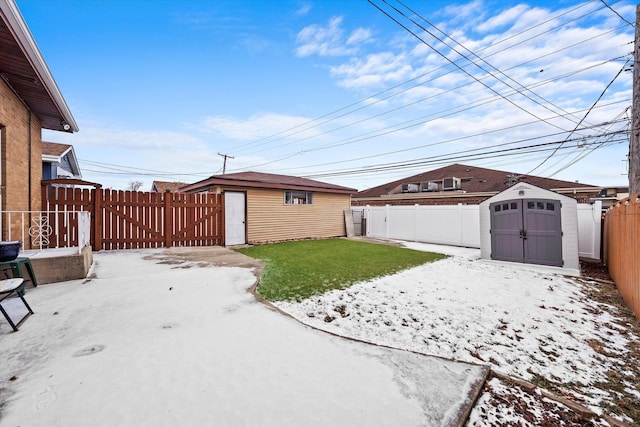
298	270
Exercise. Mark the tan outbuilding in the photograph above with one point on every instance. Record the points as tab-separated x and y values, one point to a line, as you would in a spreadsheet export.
263	207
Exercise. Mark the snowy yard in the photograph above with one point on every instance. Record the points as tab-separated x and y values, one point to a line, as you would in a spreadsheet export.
165	338
174	338
525	323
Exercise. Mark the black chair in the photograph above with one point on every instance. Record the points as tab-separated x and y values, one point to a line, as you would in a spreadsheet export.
9	287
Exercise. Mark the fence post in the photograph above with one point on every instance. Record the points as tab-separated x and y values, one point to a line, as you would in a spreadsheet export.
416	222
168	219
368	220
387	220
460	224
97	194
223	227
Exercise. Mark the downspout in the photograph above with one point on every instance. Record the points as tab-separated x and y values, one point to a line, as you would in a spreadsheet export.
30	171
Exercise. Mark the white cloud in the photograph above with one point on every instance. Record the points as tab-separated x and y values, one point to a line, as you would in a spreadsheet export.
304	9
468	15
330	40
360	35
505	18
373	71
253	128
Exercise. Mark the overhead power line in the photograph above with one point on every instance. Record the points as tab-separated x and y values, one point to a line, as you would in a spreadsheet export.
364	136
519	88
614	11
586	114
446	58
375	98
473	154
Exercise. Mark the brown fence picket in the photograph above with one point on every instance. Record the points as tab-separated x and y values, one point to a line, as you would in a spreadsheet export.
622	249
132	220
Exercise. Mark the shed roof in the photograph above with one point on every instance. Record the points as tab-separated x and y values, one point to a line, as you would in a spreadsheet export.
474	179
266	180
525	190
23	68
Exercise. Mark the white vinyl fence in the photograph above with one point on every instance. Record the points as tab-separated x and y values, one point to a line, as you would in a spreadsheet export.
459	225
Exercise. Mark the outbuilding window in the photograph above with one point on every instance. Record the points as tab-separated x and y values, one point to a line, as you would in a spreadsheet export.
298	197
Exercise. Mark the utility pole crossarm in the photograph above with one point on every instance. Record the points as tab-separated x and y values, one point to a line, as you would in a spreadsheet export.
224	165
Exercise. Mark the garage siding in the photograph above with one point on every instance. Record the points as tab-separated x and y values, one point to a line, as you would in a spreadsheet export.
269	219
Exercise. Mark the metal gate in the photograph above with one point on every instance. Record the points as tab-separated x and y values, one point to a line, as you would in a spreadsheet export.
527	230
359	222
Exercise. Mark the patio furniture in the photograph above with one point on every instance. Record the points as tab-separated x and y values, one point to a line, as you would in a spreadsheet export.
9	287
16	270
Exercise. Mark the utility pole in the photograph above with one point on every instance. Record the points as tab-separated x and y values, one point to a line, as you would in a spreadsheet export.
224	165
634	144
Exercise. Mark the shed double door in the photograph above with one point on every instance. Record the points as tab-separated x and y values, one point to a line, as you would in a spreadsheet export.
527	230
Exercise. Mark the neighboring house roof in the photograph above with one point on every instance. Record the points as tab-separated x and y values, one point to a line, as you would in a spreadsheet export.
266	180
163	186
23	68
54	153
473	179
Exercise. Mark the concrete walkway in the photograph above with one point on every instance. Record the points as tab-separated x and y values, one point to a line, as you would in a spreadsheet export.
172	337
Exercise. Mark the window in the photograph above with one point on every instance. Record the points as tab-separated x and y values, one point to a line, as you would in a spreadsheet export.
298	197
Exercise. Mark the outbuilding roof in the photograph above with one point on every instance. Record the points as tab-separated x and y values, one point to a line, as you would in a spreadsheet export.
266	180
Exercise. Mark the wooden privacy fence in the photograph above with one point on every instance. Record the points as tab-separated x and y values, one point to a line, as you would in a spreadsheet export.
622	249
133	219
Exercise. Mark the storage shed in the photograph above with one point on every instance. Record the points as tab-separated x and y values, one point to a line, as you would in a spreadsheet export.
529	224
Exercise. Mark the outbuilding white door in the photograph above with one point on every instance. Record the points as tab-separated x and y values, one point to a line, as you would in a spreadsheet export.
235	230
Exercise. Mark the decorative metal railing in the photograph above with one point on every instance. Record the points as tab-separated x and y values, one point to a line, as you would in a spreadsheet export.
47	229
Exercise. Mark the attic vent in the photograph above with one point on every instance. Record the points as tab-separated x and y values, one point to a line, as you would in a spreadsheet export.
429	186
452	183
410	188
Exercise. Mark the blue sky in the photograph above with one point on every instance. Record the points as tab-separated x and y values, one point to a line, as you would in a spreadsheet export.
338	91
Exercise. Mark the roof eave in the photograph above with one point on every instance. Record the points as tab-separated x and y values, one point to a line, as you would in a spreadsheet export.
51	158
73	160
17	24
256	184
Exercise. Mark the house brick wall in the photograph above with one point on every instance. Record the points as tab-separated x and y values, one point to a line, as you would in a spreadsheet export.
20	161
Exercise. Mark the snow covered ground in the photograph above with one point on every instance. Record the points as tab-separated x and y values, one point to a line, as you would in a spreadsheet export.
157	339
524	322
154	339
